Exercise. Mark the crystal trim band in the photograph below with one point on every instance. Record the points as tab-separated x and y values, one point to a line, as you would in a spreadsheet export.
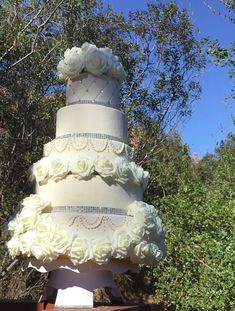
93	101
91	135
89	210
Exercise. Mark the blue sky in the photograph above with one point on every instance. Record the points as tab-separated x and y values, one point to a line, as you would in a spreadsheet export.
211	120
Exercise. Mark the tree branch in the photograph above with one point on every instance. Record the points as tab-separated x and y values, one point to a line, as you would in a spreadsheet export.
39	29
140	73
21	31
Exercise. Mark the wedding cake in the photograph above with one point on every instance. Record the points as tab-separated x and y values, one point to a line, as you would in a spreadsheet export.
88	204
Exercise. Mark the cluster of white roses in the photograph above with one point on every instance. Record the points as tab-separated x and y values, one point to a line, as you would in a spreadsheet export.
142	239
31	233
34	234
84	166
91	59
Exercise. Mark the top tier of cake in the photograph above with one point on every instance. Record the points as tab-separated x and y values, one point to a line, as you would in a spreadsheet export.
92	109
91	89
92	95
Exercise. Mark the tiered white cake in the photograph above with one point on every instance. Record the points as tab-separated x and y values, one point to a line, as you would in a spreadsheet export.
88	204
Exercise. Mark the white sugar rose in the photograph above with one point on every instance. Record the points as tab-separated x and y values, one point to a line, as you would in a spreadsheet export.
139	176
61	242
26	242
123	171
146	218
121	244
153	224
12	225
95	61
58	169
16	226
79	252
102	251
40	171
28	218
111	58
135	207
146	253
42	250
35	202
107	51
13	247
136	223
136	227
117	71
150	215
87	46
82	167
72	50
155	253
158	231
45	228
71	65
104	167
137	173
115	68
63	71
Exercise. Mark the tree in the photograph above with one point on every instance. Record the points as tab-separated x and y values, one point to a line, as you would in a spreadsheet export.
198	271
220	55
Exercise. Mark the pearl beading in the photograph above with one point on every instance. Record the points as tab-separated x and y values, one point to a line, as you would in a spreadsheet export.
82	142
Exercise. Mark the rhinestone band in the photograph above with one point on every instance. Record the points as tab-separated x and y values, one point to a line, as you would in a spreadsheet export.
89	210
93	101
91	135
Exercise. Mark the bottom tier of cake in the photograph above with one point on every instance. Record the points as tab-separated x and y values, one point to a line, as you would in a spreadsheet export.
86	234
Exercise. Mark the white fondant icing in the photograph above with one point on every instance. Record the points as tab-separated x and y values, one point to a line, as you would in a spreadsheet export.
102	90
91	119
92	192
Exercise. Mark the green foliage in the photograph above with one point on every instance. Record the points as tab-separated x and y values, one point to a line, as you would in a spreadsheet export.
198	273
196	200
219	54
222	7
